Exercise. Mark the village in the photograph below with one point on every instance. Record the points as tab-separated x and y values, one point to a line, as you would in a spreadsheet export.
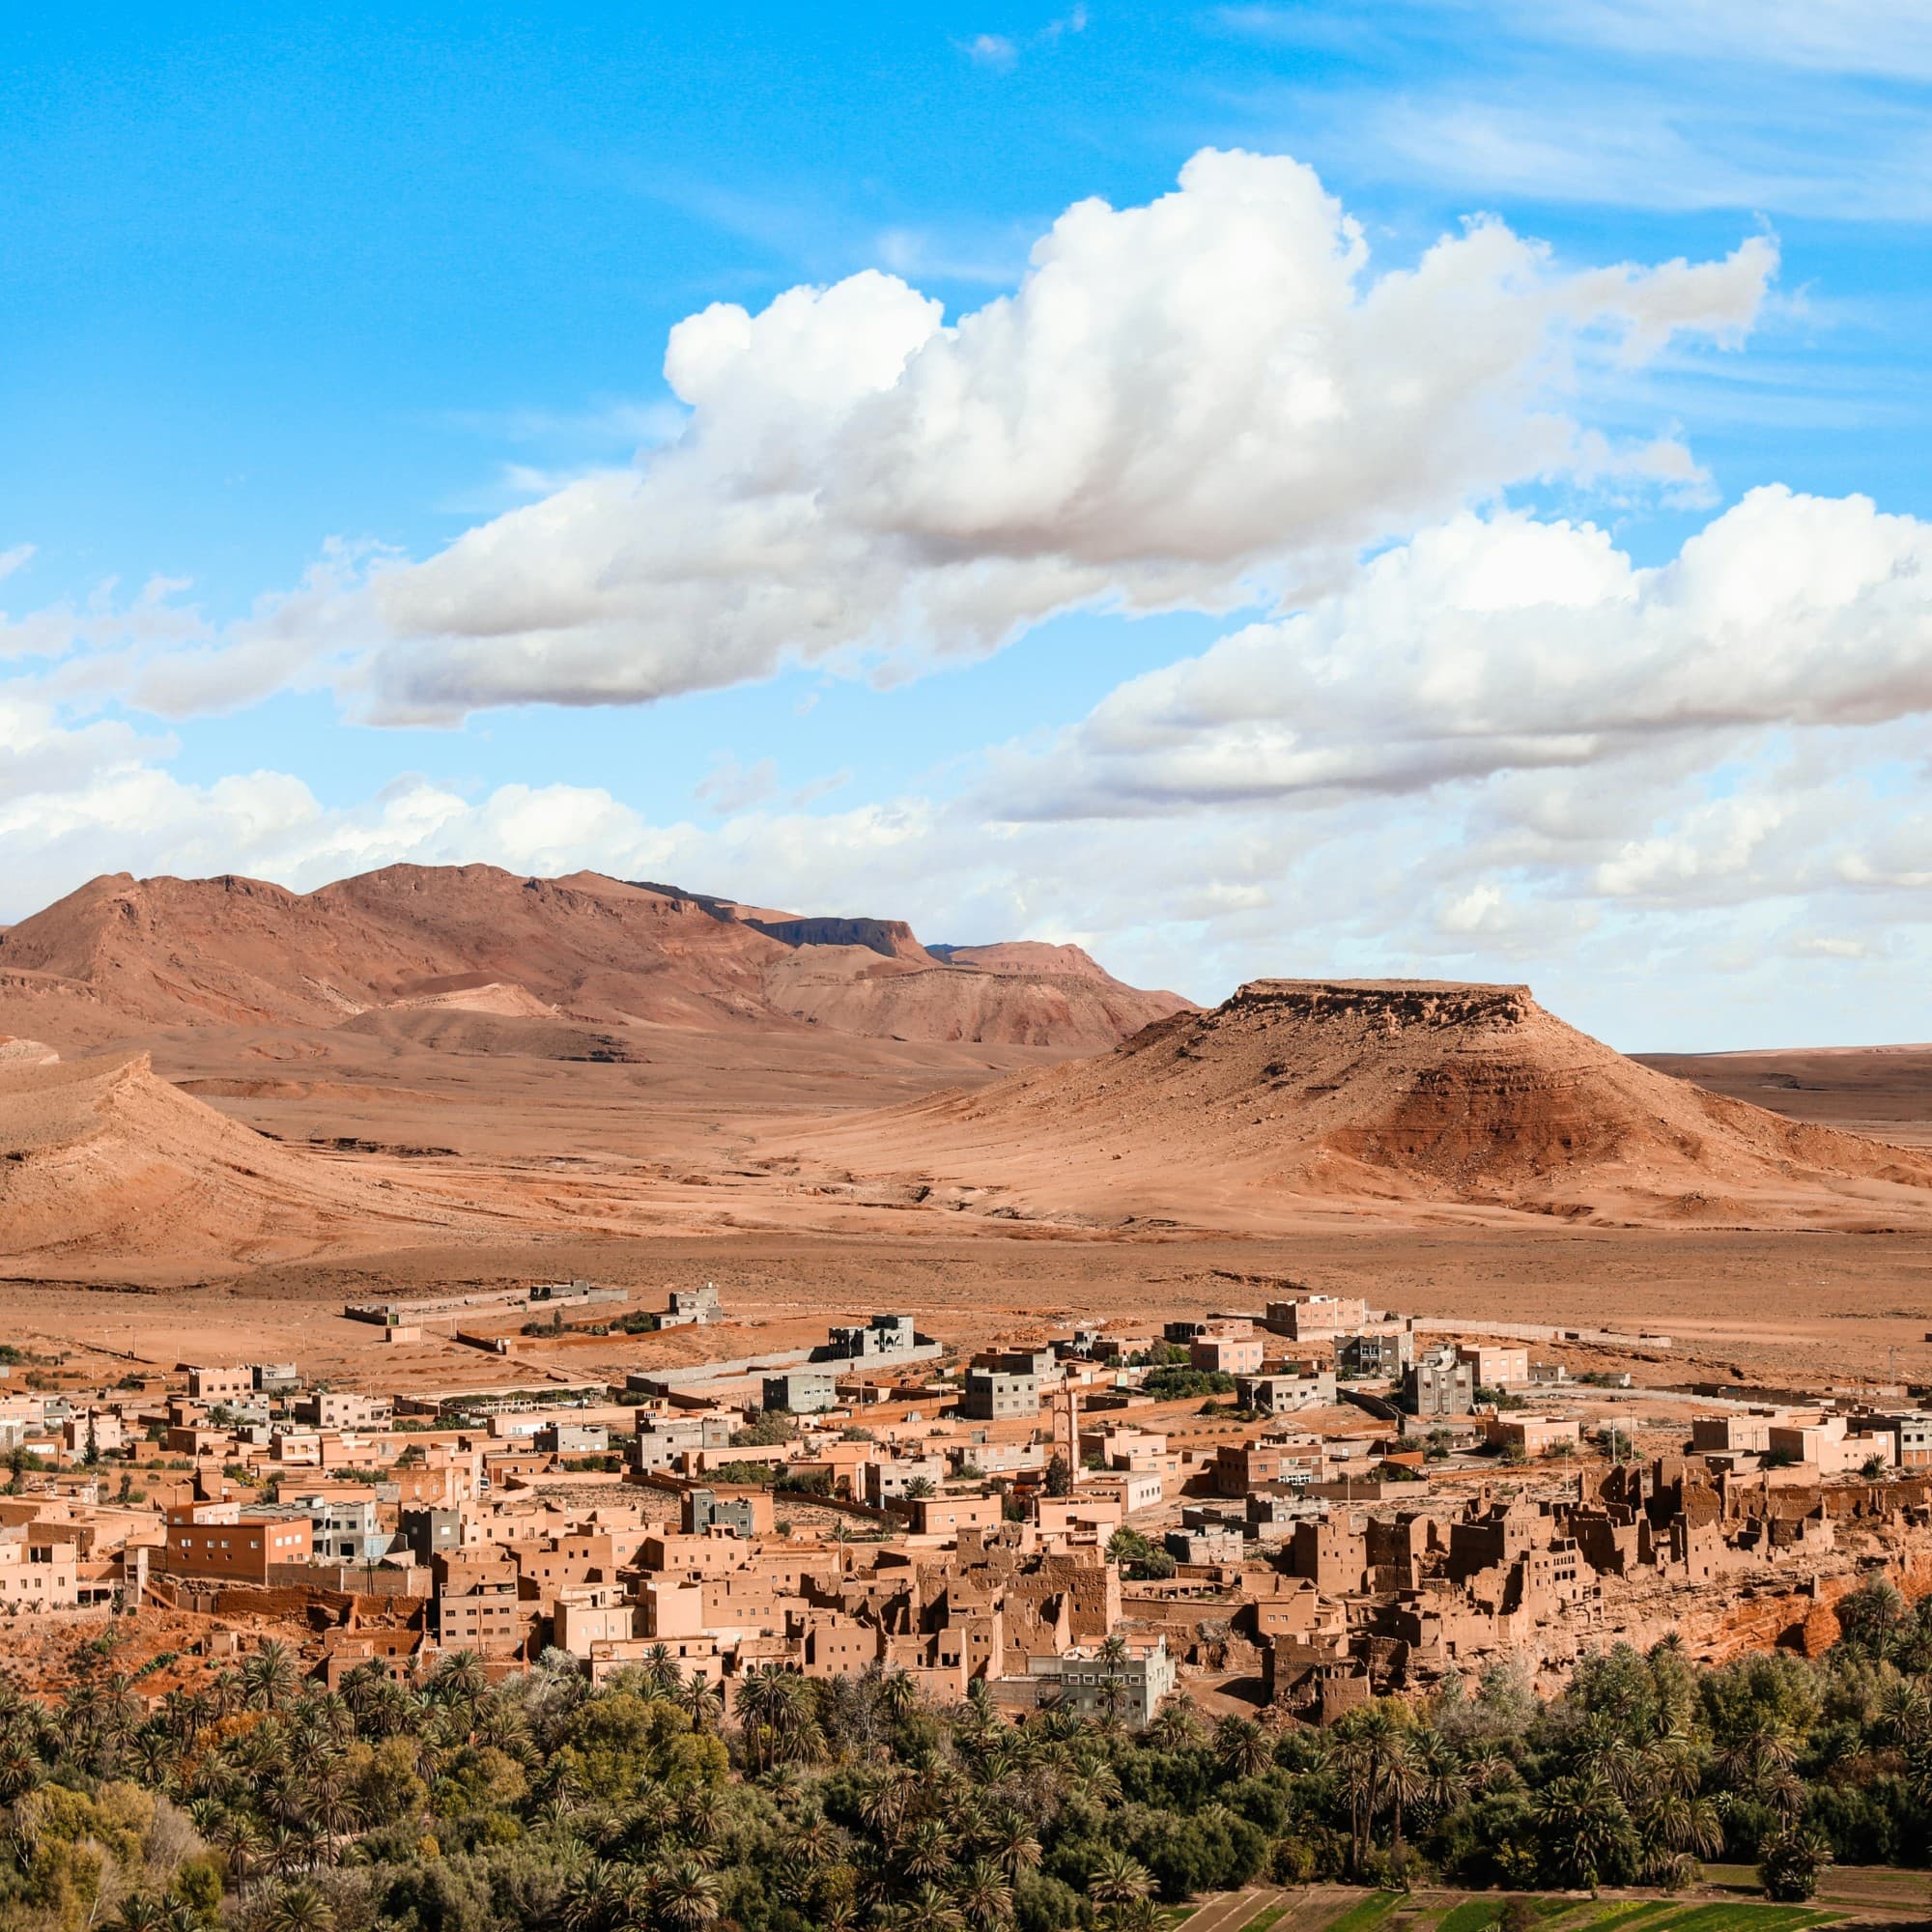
1296	1508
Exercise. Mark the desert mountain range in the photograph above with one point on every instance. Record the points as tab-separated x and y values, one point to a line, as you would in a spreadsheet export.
411	947
204	1075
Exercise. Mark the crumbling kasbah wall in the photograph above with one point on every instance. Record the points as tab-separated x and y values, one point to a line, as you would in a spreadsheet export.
1802	1618
1814	1545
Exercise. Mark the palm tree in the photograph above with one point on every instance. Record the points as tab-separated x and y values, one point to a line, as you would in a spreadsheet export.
1116	1881
927	1850
238	1838
1403	1781
984	1895
1012	1843
1790	1864
1177	1728
299	1908
815	1844
268	1677
662	1670
1243	1747
460	1682
1581	1819
886	1802
685	1894
1683	1824
140	1911
928	1910
703	1702
900	1691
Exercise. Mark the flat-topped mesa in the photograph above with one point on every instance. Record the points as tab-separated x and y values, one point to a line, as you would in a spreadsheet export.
1352	1093
892	938
1387	1004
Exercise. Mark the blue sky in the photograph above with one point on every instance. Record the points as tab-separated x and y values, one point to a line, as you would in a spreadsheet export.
344	290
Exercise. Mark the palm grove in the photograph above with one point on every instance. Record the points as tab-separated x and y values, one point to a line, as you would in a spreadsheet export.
831	1803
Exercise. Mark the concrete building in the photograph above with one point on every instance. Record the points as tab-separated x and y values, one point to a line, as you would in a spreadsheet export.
802	1391
1497	1365
1911	1439
1827	1444
573	1438
475	1606
1228	1354
1534	1435
693	1306
663	1441
1375	1354
221	1385
996	1394
746	1514
1317	1318
884	1338
344	1408
430	1533
226	1542
1732	1433
889	1478
1091	1685
1438	1385
1280	1395
1205	1545
345	1530
37	1571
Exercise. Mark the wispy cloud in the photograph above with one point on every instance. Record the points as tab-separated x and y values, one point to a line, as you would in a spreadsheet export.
994	50
1001	52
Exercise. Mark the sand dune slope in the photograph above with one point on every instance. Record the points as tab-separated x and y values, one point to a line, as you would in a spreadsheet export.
105	1159
1392	1095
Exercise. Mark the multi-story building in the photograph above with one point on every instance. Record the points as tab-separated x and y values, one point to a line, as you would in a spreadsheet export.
1497	1365
1205	1545
1228	1354
37	1571
1375	1354
883	1337
1278	1395
1089	1683
689	1306
802	1391
573	1438
996	1394
1318	1318
345	1529
889	1478
1438	1385
227	1385
226	1542
1733	1433
431	1532
344	1408
475	1606
1911	1439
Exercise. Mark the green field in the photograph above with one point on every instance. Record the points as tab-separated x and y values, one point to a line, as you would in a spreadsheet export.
1427	1913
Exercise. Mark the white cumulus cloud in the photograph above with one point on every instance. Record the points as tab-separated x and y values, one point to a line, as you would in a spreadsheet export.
1499	644
1194	402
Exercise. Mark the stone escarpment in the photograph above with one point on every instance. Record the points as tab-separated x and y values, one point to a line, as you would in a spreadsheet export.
1398	1092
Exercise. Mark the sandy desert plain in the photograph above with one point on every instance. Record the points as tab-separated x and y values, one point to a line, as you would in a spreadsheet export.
262	1105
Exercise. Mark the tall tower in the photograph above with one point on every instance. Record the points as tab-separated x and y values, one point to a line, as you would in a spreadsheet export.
1066	1425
